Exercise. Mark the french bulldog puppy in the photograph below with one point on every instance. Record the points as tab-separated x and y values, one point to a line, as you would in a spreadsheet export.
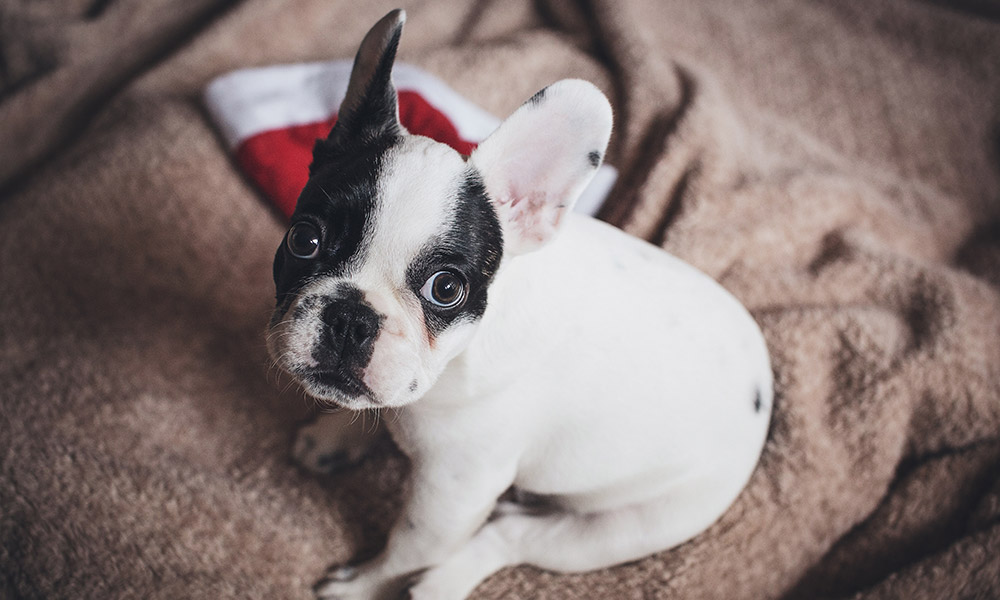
616	398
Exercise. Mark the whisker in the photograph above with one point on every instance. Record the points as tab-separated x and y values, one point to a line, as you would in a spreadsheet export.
326	193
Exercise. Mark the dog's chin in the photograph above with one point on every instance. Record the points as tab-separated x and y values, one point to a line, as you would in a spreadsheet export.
343	402
338	391
333	399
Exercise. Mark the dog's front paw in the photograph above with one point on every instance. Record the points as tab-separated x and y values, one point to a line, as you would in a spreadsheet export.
356	583
332	442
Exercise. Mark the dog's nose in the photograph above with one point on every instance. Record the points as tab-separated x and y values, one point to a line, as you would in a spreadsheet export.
352	327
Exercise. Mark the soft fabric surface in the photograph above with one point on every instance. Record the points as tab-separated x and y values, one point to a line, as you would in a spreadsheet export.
834	165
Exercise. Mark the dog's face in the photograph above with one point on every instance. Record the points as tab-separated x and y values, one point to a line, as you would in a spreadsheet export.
384	273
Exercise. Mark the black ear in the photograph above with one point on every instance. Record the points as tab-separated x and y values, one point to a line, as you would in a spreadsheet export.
369	110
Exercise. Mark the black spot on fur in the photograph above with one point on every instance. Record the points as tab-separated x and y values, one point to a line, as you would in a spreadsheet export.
472	247
413	385
594	157
534	100
758	403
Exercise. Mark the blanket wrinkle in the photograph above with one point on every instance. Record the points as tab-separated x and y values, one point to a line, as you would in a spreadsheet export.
834	165
653	144
913	523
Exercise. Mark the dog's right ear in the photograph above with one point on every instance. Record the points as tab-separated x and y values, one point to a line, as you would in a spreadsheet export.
369	110
536	164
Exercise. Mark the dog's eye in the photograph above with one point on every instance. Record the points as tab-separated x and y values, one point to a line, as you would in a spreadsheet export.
303	240
444	289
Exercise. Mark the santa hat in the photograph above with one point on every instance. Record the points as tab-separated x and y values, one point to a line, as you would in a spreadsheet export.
270	118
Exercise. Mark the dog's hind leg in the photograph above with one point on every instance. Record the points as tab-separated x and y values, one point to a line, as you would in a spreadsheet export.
562	541
335	440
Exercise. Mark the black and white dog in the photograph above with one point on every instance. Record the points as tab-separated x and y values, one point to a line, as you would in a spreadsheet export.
519	346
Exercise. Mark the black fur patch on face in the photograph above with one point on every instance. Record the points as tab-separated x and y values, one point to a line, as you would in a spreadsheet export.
472	247
594	157
339	200
340	194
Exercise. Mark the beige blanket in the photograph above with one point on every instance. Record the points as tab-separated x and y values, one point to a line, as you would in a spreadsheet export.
836	165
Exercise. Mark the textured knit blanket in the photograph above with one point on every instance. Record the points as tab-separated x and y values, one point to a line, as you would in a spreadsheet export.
835	165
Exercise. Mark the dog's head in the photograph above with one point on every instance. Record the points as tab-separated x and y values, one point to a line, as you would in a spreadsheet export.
385	270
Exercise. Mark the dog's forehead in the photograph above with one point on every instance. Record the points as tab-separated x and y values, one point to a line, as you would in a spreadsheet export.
416	192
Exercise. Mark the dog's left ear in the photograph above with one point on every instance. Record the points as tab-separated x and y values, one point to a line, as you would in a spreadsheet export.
536	164
369	110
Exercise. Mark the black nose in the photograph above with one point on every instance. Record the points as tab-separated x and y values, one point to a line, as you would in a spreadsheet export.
351	327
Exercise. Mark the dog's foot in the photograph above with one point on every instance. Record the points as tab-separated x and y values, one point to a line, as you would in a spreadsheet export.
333	442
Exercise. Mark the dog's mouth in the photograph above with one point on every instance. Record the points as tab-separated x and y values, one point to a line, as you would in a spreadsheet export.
346	384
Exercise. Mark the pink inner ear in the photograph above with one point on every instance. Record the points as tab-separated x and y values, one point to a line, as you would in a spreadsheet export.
532	216
536	163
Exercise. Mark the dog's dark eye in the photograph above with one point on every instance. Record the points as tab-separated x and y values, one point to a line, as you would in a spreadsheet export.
444	289
303	240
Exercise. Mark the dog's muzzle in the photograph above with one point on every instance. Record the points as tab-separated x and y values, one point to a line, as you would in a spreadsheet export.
349	328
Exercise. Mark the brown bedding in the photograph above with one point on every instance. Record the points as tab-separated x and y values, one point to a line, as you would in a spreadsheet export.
835	165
